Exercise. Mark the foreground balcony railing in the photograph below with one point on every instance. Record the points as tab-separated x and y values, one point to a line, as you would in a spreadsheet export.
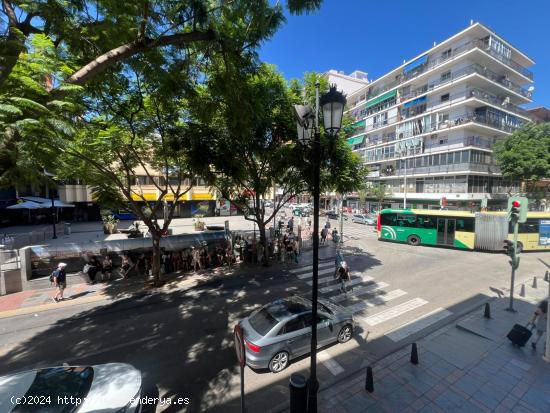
458	167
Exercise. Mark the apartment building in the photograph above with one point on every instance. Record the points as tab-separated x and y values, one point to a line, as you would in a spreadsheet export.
427	128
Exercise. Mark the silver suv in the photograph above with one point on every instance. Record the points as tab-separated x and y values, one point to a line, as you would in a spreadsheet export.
281	330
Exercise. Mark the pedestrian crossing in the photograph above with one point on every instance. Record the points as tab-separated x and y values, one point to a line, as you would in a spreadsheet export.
375	305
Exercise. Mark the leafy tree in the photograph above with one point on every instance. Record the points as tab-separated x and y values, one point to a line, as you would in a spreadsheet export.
379	193
525	155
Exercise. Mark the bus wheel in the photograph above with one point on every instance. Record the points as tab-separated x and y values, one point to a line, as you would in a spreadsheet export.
413	240
520	247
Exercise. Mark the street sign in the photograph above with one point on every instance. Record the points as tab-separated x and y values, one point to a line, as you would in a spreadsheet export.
239	345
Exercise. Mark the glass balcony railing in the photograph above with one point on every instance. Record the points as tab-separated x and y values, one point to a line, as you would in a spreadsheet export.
459	167
433	63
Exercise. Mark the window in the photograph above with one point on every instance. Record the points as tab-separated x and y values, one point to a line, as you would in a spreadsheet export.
443	140
446	76
426	222
445	97
446	54
406	221
465	224
294	325
262	322
388	219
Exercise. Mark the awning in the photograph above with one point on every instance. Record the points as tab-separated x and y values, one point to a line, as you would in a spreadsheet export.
203	197
413	65
46	202
26	205
356	141
149	196
415	102
381	98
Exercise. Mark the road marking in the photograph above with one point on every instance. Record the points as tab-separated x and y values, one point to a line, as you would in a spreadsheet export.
309	267
395	311
330	363
321	272
421	323
348	284
375	301
359	291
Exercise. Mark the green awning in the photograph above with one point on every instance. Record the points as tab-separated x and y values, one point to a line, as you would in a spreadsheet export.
356	141
357	125
381	98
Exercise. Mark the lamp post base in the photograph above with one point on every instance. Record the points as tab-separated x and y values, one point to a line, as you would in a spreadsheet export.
312	390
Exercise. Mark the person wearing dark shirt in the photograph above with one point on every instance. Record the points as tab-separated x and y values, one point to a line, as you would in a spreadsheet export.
60	280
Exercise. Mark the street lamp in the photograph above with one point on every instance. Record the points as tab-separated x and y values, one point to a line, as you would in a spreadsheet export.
51	195
332	104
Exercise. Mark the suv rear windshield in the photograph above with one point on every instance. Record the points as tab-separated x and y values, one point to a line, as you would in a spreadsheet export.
262	322
58	383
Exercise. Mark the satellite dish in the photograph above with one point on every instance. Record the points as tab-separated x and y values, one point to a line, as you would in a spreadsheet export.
531	88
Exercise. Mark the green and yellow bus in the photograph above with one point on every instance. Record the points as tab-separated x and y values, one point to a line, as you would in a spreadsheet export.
461	229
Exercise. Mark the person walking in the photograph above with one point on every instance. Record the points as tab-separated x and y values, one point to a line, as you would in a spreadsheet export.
343	277
59	278
324	232
296	249
126	266
290	224
539	321
107	268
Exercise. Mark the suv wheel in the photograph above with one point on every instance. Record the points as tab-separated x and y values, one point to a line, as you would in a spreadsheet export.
413	240
278	362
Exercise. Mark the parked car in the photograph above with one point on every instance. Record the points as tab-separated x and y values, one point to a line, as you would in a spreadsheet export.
112	387
280	331
363	219
334	215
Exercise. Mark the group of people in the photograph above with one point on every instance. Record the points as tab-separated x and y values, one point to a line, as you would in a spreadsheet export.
325	231
197	258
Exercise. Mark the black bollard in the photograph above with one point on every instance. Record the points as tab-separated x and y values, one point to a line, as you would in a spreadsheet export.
522	291
534	282
298	393
369	383
546	276
414	354
487	312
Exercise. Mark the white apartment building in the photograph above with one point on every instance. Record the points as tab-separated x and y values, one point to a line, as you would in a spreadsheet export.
427	128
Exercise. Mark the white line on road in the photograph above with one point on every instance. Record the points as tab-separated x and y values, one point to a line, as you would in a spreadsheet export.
395	311
321	272
375	301
330	363
309	267
421	323
359	291
349	284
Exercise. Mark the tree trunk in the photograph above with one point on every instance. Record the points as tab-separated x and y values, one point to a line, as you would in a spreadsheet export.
155	265
263	241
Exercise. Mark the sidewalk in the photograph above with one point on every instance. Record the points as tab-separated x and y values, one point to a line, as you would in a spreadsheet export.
468	366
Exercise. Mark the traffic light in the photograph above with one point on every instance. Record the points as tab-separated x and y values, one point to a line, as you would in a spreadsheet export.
509	247
517	209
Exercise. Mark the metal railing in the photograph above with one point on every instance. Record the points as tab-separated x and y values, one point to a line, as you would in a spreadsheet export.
466	166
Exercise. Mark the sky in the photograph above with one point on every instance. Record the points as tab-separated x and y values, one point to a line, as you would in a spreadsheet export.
376	36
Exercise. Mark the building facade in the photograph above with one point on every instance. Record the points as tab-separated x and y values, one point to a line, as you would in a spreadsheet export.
427	128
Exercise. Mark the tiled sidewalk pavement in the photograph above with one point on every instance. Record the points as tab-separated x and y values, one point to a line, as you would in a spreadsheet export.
457	372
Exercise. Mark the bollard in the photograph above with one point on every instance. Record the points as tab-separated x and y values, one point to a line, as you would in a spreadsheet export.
369	383
546	276
414	354
298	393
487	312
535	282
522	291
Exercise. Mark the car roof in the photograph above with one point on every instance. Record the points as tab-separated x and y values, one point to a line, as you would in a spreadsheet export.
288	307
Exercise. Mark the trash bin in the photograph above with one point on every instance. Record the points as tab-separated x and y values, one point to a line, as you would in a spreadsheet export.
298	393
67	230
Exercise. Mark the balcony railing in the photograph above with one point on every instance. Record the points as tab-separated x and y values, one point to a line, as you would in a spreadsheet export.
431	64
467	166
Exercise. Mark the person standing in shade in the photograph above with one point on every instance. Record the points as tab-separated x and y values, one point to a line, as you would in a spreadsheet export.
107	267
59	278
539	321
290	224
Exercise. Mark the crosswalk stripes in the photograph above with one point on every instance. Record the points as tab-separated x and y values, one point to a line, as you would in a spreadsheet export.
371	288
364	292
331	364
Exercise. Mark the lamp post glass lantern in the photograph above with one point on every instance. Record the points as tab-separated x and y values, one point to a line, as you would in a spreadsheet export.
332	103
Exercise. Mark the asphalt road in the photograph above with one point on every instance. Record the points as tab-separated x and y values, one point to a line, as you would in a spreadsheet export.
183	344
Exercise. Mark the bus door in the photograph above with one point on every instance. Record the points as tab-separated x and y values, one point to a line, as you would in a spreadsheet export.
446	231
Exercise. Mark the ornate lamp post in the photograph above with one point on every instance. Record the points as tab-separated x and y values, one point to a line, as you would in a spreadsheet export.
332	104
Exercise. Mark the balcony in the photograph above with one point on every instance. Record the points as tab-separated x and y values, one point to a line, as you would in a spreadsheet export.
459	167
431	64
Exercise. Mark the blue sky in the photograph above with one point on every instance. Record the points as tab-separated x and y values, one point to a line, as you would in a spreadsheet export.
376	36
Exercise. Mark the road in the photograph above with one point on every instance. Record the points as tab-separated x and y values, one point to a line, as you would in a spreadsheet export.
182	341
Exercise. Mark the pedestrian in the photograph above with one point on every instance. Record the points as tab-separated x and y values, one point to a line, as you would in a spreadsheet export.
126	266
165	258
185	259
343	277
260	252
327	224
229	256
290	224
107	267
94	266
196	259
59	278
338	262
296	250
324	232
539	320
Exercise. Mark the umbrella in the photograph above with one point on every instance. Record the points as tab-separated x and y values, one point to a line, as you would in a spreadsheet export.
26	205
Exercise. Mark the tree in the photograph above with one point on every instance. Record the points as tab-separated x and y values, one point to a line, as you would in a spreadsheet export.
525	155
378	192
252	150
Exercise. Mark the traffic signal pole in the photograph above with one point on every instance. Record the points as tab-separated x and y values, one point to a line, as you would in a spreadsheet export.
515	264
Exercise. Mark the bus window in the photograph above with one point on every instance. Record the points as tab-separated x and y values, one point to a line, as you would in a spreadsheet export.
465	224
388	219
426	222
406	221
531	226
